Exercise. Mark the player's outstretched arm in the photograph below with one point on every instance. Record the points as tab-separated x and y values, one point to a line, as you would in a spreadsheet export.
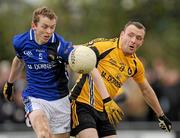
8	89
152	100
114	112
99	83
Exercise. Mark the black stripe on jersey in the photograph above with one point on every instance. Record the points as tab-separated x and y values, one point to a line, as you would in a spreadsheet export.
104	54
99	57
135	69
91	90
78	87
97	54
118	43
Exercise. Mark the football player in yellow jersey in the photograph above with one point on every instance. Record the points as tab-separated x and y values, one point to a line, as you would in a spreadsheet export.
117	61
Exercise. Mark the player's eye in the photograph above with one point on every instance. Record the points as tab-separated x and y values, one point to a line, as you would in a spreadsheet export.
44	26
53	26
139	38
131	35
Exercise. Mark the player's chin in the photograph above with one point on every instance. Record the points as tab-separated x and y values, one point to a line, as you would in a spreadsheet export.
132	51
45	40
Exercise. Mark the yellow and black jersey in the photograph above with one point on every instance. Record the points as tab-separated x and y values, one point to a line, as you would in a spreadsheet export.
115	69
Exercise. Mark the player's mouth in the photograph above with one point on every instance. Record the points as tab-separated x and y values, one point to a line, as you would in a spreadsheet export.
131	47
46	37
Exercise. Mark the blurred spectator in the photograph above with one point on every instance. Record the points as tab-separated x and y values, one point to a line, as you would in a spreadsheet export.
4	73
166	82
135	106
171	94
11	112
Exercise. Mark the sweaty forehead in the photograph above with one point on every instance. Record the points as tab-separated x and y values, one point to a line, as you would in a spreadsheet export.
135	30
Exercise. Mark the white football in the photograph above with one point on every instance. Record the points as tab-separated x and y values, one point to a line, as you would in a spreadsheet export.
82	59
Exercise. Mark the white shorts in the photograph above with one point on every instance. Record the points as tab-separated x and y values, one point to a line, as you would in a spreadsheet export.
58	112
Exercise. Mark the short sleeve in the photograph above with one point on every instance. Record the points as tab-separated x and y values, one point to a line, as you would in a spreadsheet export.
140	75
17	46
101	46
64	48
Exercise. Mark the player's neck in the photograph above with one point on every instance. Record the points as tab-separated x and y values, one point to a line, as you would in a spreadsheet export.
38	41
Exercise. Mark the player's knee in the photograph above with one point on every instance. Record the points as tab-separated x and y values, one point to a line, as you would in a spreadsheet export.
45	133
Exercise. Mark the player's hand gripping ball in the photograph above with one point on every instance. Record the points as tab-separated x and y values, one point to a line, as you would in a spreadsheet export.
82	59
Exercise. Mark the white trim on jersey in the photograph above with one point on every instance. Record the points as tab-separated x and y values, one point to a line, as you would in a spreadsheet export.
59	46
30	34
53	39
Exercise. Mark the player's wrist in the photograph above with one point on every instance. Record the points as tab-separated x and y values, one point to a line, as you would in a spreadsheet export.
106	100
10	83
160	115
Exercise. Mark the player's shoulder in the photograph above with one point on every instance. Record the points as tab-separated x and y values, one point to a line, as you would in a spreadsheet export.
102	40
138	60
20	38
61	40
135	56
59	37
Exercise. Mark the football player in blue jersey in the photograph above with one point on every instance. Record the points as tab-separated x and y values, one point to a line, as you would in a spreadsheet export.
44	54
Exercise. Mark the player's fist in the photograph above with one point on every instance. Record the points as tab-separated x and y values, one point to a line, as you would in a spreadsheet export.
164	123
113	111
8	91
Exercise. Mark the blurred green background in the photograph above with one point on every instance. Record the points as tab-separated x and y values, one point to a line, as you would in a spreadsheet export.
82	20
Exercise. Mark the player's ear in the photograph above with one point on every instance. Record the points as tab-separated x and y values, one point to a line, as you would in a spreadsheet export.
141	43
122	33
33	26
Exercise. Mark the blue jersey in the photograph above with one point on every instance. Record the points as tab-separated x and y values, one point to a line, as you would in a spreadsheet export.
45	79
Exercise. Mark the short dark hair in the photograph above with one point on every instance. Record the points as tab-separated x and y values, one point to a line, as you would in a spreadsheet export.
135	23
44	11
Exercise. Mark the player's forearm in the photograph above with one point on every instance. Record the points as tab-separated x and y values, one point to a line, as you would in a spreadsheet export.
153	102
151	99
16	68
99	83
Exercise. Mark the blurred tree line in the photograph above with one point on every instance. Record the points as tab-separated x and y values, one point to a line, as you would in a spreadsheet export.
80	21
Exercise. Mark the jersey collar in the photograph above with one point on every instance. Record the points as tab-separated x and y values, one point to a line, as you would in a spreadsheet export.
119	43
32	37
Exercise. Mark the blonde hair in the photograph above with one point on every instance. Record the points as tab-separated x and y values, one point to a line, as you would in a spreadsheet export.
44	11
